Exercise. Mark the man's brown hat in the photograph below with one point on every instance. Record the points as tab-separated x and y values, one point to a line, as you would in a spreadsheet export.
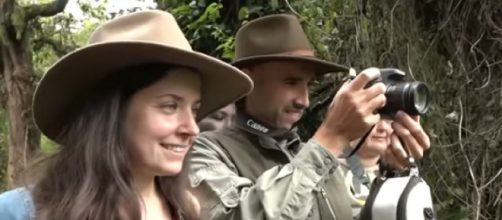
139	38
277	37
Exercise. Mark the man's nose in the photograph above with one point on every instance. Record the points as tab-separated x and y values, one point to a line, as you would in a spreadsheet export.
302	100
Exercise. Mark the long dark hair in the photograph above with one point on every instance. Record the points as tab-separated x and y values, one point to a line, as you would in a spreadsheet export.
89	177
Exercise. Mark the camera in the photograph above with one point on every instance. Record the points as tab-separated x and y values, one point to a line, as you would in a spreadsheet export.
413	97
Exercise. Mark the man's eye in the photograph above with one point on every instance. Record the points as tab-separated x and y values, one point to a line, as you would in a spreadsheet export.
292	81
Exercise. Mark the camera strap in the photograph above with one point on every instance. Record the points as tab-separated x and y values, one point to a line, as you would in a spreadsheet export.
350	152
250	124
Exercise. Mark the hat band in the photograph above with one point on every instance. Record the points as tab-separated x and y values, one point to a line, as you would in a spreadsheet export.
303	53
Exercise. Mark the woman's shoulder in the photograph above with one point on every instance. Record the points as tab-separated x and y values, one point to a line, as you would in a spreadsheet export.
16	204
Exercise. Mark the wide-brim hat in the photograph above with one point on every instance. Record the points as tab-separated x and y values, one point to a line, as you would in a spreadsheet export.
278	37
138	38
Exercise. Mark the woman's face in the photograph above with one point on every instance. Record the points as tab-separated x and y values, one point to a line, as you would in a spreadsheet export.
160	123
218	120
378	140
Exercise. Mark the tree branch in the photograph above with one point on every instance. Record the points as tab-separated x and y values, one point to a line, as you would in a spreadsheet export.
45	10
477	207
1	61
162	5
57	46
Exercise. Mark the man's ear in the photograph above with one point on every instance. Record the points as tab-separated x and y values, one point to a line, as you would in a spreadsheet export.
247	70
250	73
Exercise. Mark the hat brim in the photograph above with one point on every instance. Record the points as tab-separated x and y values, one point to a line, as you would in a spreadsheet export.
320	66
76	73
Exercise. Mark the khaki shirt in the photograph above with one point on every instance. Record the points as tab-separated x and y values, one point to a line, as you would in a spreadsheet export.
285	191
358	186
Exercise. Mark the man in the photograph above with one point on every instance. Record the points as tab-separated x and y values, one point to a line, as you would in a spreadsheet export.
218	120
259	169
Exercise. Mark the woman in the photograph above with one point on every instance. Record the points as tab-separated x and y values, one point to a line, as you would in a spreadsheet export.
362	169
124	110
218	120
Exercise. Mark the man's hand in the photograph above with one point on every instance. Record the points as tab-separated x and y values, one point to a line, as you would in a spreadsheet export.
414	138
352	112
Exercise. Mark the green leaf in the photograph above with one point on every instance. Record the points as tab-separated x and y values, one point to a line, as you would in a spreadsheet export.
274	4
243	13
47	145
320	12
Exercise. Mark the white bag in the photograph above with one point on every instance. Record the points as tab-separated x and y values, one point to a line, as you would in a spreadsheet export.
399	198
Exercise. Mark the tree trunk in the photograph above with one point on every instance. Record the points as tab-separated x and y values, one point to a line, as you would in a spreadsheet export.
24	138
19	80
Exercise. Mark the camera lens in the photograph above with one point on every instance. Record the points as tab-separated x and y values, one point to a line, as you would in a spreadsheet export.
416	98
411	97
421	97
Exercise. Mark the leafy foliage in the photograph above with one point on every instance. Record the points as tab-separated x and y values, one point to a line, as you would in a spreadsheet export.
49	38
210	25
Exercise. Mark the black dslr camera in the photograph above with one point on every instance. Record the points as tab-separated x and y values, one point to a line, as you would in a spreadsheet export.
413	98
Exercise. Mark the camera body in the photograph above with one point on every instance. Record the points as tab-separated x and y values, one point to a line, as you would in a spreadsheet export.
413	97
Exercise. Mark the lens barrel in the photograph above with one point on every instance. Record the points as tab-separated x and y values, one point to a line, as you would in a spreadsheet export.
412	97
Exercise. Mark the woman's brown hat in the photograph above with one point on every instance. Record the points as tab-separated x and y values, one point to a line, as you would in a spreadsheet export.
138	38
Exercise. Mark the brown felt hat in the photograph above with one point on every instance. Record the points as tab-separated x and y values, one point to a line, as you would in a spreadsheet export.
138	38
278	37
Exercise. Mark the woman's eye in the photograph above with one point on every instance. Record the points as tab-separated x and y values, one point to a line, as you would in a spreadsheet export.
169	107
195	111
219	116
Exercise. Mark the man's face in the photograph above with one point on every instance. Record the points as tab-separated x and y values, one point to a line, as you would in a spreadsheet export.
281	92
218	120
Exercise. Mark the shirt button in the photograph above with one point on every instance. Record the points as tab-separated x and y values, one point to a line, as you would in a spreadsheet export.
319	171
289	169
328	161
